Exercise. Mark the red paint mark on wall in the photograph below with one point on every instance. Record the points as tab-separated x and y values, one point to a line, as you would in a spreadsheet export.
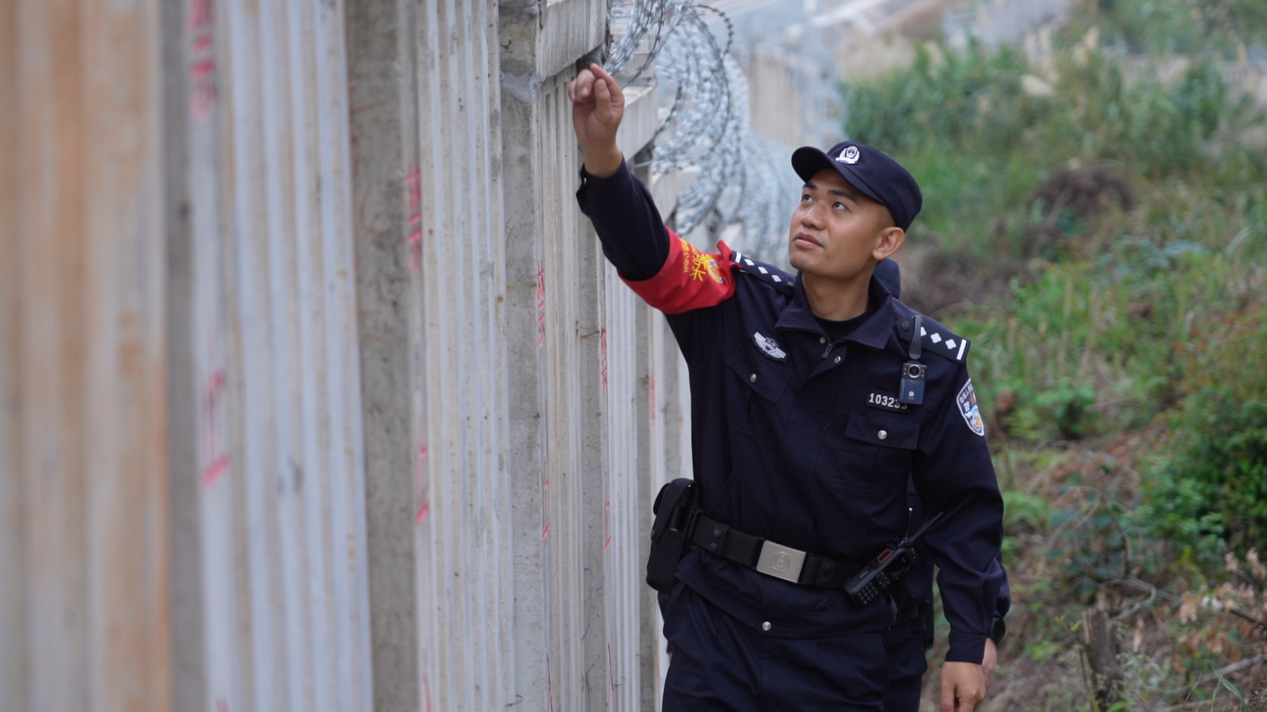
202	67
213	471
541	307
413	200
422	502
602	362
426	690
215	459
221	705
545	510
607	525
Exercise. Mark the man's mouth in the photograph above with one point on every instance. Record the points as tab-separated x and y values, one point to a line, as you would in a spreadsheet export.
805	240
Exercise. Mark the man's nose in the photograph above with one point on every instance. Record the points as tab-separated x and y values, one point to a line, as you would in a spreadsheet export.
812	217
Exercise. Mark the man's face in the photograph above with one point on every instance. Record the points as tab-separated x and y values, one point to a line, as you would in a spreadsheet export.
836	230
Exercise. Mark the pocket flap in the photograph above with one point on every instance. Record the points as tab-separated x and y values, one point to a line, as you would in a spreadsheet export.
883	429
764	378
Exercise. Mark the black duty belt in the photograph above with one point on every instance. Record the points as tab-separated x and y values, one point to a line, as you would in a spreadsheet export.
769	558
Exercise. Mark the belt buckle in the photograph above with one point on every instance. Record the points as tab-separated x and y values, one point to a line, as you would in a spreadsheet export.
780	561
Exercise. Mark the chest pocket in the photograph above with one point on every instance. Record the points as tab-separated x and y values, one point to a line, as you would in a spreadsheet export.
873	452
757	394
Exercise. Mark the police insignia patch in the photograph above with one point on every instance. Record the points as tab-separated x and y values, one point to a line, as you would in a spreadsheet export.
967	400
850	155
769	347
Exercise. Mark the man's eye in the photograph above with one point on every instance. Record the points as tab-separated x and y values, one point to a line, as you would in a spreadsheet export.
838	205
805	198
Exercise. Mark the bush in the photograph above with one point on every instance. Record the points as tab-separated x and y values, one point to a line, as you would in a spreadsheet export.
1215	484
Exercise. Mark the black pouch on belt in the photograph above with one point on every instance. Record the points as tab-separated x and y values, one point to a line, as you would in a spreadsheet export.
675	514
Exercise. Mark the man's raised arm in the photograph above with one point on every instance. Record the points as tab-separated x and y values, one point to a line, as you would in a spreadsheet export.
663	269
627	222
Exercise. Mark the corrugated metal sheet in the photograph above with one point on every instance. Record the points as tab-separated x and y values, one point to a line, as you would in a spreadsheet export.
416	421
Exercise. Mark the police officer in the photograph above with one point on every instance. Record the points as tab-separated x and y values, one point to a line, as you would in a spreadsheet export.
911	635
812	397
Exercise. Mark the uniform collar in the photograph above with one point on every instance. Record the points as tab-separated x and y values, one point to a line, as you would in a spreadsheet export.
873	333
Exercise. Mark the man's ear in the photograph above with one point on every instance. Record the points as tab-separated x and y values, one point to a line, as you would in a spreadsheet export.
887	243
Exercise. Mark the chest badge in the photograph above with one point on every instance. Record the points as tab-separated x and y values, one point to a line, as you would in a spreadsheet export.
769	347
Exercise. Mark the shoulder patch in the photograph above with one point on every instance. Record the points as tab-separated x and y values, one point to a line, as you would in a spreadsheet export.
764	272
968	408
935	338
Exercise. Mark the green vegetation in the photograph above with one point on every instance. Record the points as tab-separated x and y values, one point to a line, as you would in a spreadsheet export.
1215	485
1102	211
1182	26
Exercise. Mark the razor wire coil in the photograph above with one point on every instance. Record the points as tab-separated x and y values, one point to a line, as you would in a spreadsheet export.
705	126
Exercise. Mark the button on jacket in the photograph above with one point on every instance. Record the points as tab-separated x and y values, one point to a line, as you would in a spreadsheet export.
803	440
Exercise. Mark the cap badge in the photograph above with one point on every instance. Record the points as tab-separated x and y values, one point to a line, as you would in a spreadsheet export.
850	155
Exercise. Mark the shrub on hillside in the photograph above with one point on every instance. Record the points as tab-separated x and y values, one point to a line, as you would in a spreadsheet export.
1215	483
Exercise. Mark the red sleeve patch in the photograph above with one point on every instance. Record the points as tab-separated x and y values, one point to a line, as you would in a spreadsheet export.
689	279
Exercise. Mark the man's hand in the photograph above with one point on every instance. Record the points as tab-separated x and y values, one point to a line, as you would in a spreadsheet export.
989	662
598	105
962	687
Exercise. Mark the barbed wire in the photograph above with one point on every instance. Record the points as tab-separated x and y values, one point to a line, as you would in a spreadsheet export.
705	130
633	21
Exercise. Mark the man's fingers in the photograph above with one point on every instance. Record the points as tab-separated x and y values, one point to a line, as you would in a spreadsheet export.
947	695
601	75
580	88
602	99
599	72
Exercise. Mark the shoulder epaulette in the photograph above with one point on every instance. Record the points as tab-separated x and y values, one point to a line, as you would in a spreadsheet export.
934	337
764	272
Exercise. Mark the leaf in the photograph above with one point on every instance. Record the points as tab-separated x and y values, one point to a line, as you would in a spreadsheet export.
1231	688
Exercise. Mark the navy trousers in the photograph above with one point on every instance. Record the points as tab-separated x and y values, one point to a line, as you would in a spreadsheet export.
904	648
721	665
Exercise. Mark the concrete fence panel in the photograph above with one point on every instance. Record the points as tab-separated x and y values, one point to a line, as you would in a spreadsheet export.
84	609
316	392
282	532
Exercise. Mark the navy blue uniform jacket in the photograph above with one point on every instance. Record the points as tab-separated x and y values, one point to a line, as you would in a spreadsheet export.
801	440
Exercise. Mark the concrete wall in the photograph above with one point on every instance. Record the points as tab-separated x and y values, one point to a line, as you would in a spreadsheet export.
13	670
83	569
274	359
315	390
